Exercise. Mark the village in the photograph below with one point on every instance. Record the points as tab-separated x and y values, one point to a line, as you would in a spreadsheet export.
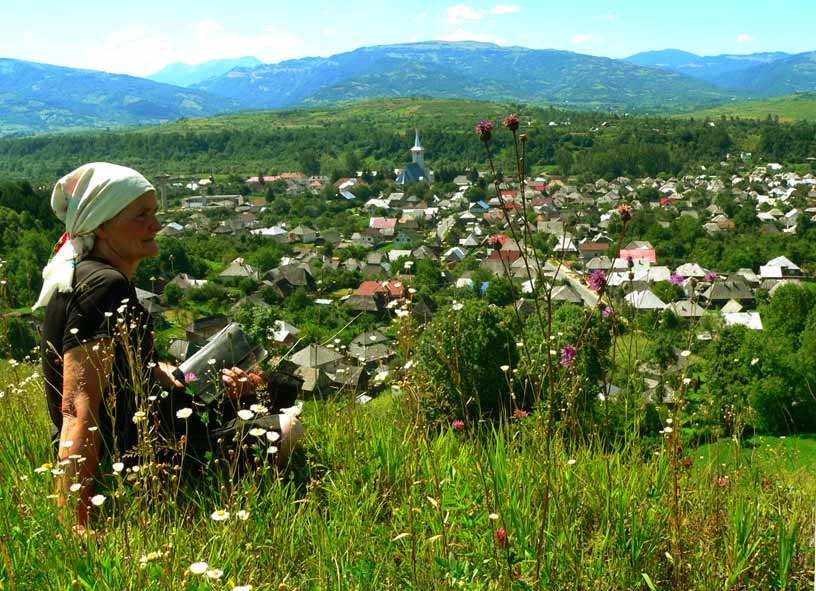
469	244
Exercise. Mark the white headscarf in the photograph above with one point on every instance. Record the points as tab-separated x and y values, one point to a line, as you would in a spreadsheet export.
84	199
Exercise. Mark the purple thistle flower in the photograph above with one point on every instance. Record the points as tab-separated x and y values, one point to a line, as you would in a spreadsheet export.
568	355
511	122
607	312
500	535
484	130
625	212
597	280
711	277
676	279
190	377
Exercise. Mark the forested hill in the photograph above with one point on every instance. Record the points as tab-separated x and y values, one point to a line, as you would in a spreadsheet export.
467	70
378	135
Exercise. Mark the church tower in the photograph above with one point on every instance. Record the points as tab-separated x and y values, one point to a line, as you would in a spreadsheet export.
416	172
418	152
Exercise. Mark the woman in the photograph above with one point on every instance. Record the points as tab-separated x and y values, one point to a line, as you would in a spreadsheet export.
103	380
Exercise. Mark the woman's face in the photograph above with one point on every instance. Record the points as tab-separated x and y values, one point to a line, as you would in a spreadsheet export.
132	233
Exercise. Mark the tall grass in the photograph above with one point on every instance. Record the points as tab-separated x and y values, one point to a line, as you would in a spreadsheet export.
375	500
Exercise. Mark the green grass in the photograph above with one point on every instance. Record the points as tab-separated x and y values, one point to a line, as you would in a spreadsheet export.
794	107
375	500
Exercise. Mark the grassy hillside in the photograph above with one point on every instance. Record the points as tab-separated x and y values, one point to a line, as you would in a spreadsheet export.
792	107
374	500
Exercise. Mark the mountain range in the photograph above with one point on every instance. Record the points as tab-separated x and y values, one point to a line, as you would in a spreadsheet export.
37	98
42	98
758	74
181	74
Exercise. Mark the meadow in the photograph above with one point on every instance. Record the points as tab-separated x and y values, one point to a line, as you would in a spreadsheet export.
377	497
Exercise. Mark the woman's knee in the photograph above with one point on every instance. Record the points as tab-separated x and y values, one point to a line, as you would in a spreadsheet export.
291	430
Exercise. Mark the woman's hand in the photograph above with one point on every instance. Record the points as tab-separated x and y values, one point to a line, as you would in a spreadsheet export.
239	382
163	373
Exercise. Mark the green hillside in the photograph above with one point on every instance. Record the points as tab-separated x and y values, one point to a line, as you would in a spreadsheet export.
792	107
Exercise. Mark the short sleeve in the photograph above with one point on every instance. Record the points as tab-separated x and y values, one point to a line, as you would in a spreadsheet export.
96	306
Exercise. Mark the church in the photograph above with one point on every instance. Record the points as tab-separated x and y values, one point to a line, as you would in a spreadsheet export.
416	171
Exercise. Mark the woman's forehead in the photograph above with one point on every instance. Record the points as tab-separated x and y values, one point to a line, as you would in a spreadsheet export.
147	199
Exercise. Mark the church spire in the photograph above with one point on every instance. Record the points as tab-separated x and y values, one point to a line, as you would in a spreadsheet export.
418	152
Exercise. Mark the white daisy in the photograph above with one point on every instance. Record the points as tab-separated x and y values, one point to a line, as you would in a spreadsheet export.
198	568
220	515
184	413
245	414
97	500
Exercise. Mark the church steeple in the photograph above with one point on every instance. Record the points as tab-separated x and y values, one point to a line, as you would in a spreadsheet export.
418	152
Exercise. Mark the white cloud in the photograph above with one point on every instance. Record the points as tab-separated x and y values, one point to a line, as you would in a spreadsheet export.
140	52
27	36
461	14
744	38
462	35
585	38
420	17
206	29
605	17
329	31
505	9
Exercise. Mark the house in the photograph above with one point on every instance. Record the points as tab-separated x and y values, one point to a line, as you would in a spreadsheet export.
207	326
370	347
749	320
293	275
599	263
185	282
454	254
274	232
391	288
238	270
719	292
315	355
283	333
638	254
565	293
590	250
779	267
686	310
644	300
212	201
302	234
374	303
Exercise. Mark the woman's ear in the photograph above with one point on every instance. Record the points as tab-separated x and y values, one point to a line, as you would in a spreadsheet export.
101	231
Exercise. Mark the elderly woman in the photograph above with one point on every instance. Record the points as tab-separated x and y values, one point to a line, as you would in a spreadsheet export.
99	361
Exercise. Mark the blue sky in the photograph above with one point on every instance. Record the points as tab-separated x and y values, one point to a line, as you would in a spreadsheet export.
140	37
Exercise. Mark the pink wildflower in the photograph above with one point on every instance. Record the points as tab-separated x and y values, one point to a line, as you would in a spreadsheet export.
501	537
511	122
484	129
458	425
568	355
597	280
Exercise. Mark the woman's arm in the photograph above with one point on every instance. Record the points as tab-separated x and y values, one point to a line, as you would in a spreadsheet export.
86	374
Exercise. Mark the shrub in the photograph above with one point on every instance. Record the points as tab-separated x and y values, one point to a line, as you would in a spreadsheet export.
461	354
